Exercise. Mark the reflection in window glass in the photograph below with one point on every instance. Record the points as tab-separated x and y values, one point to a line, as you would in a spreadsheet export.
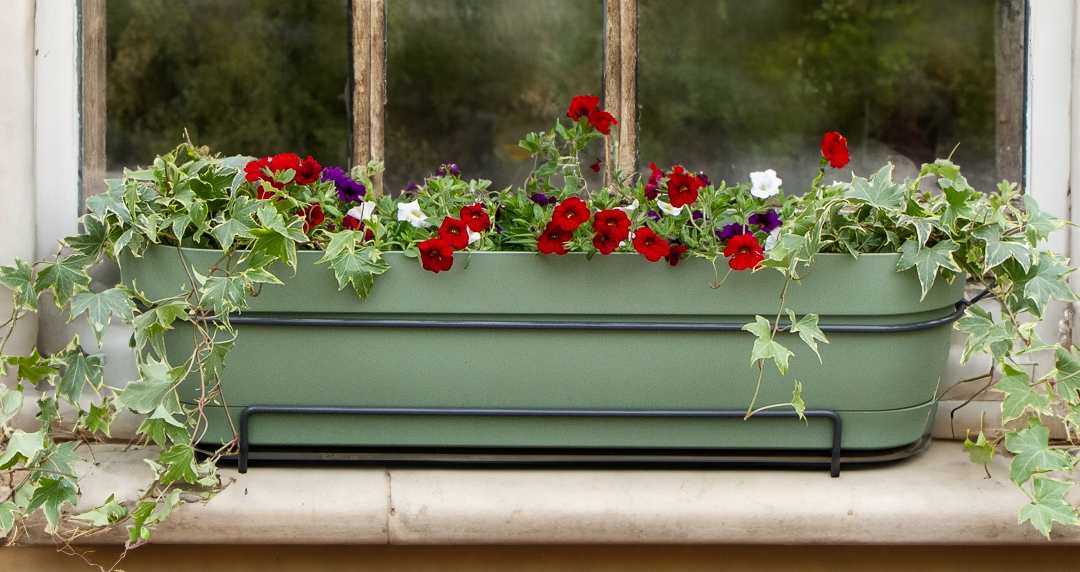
733	87
257	77
466	79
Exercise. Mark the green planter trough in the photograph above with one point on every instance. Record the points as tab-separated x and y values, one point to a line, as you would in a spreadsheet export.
543	358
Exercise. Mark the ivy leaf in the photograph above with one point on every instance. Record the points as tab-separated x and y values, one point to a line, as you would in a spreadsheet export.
797	401
984	335
808	330
271	246
81	369
998	250
109	513
1033	454
20	279
1042	223
881	193
99	418
110	201
91	242
144	395
101	307
162	427
180	464
62	459
22	446
927	261
52	493
1016	386
1068	375
1045	281
11	402
226	232
7	517
923	226
358	267
149	513
979	451
1049	505
32	368
958	199
64	278
765	347
213	361
224	293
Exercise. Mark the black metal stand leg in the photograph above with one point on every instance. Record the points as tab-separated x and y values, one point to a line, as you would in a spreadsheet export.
248	412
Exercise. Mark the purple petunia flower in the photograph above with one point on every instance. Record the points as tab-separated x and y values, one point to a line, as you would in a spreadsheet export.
730	231
411	187
332	174
703	178
653	215
697	215
348	190
445	168
454	170
543	200
767	221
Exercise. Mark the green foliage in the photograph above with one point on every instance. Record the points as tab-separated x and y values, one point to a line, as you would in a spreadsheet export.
1033	454
1049	505
109	513
765	347
979	451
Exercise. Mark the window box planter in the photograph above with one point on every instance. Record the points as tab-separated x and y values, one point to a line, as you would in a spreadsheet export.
616	333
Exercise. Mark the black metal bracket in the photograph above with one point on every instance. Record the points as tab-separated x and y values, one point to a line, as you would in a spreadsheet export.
248	412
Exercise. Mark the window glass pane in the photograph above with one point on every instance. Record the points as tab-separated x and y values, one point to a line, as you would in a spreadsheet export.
258	77
732	87
466	79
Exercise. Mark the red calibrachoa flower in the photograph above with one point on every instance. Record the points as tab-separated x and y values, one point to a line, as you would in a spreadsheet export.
682	187
834	148
350	223
455	232
570	214
602	121
476	217
676	253
746	252
651	246
436	255
605	243
553	239
652	188
596	166
581	105
307	172
613	223
313	216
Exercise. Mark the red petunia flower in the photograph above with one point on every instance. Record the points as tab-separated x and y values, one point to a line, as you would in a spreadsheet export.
350	223
613	223
308	171
682	187
834	148
605	243
476	217
256	170
676	253
455	232
652	188
581	105
313	216
602	121
651	246
596	166
570	214
553	239
436	255
746	252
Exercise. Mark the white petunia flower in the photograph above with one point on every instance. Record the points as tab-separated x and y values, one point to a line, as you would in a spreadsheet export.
474	236
668	209
765	184
770	241
629	209
412	213
366	211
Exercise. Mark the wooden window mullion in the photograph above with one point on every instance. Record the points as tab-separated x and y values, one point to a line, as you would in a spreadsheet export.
369	82
620	76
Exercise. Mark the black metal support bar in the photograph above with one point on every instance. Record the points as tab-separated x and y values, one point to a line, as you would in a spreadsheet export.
245	419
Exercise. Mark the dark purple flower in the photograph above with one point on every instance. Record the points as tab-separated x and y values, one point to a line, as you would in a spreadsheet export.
767	221
348	190
653	215
332	174
543	200
445	168
454	170
499	211
411	187
701	176
698	215
730	231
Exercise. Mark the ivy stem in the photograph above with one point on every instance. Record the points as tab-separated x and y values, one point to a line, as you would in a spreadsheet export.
772	336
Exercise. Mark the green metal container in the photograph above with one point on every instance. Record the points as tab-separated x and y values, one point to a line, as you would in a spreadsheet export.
883	385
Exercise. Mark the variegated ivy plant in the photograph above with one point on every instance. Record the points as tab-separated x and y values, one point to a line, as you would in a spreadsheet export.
259	213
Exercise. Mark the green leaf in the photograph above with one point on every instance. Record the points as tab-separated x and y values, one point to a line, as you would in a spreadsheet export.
213	361
923	226
157	381
180	464
224	293
11	402
100	308
808	330
1049	506
149	513
1033	454
22	446
958	200
979	451
52	493
765	347
62	459
33	368
64	278
7	517
81	369
100	418
20	279
984	335
927	261
797	401
271	246
881	193
1045	281
110	201
1016	386
998	250
350	265
1043	223
1068	375
226	232
162	427
109	513
92	239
